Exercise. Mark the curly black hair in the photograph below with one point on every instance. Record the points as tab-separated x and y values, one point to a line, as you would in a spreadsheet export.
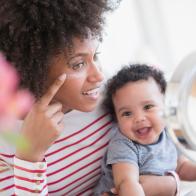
131	73
32	31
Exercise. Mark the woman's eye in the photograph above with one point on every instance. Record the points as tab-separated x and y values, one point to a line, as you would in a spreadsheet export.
78	66
147	107
126	113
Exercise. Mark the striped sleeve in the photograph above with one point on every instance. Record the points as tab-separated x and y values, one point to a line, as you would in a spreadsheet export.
30	178
6	178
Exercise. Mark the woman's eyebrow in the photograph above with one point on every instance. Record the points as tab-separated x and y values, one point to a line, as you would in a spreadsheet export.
75	56
81	54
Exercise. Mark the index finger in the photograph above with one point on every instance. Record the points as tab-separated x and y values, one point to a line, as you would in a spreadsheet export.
53	89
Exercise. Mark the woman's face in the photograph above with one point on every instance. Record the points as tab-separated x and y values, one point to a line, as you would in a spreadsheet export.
81	89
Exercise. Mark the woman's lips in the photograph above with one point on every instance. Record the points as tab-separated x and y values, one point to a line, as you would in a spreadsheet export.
93	94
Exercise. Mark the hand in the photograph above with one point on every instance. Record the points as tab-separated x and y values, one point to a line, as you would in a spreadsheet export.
165	185
113	191
42	125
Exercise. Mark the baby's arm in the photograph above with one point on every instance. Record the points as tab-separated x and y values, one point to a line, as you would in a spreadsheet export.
165	185
158	185
126	179
186	169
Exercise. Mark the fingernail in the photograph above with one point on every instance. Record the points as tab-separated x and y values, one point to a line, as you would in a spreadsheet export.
62	77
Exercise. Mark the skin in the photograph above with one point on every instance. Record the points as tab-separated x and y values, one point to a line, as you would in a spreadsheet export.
62	95
186	169
193	90
82	62
165	185
48	111
138	106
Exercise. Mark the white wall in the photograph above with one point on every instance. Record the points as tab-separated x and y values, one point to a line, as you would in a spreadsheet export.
158	32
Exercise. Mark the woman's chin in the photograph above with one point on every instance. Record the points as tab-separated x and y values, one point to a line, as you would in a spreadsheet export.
88	108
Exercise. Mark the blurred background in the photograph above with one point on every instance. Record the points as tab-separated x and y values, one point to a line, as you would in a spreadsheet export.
158	32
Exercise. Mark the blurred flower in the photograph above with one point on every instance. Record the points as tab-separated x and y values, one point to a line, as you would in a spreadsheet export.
14	102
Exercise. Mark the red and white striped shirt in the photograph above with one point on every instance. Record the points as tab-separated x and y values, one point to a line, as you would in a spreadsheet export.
72	163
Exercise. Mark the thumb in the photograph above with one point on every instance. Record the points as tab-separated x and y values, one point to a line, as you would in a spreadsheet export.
114	191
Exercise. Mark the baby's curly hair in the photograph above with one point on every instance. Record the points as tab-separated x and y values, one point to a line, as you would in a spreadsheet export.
31	31
131	73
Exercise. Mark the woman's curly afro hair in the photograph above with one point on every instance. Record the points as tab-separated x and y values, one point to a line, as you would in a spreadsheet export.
31	31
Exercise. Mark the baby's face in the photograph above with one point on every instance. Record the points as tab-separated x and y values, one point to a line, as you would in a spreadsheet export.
139	107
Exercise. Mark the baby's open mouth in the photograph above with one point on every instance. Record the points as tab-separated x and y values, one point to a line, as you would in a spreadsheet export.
143	131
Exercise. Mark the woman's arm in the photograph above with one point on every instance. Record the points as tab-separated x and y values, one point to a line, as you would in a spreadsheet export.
165	185
126	179
158	185
30	178
186	169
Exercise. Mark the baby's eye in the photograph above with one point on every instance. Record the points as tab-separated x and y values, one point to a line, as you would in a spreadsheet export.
149	106
126	113
78	66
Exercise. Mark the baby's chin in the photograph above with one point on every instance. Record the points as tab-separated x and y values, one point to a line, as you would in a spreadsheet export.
148	141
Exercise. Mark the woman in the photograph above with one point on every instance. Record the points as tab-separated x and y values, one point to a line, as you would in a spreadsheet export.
54	47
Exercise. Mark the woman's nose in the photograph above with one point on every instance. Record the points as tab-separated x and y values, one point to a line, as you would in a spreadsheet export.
95	73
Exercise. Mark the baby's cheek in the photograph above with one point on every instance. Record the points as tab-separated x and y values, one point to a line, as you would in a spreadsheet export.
162	123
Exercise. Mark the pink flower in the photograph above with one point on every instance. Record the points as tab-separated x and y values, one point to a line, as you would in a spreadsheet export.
18	104
13	102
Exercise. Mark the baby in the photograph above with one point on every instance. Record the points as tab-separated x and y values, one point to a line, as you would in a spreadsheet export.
141	145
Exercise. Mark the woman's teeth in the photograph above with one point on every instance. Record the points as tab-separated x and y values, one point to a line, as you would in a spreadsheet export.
91	92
